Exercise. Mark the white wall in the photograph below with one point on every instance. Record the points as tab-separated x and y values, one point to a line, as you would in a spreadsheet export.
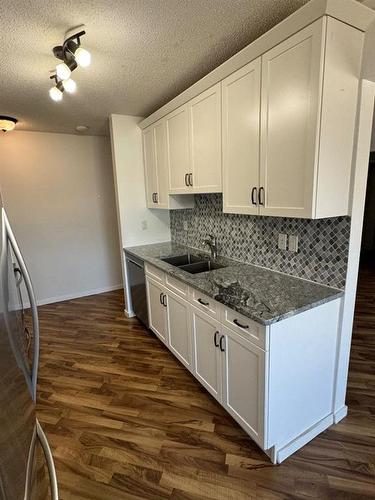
137	224
59	194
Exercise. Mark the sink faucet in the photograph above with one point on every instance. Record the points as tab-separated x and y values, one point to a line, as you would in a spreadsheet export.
211	241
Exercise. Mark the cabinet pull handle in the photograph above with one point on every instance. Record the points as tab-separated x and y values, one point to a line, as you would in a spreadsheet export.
236	322
215	339
164	300
222	348
203	303
187	180
190	179
156	198
261	198
254	196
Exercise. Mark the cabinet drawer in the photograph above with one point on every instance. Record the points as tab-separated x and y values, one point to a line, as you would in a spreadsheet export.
176	286
155	273
204	303
247	328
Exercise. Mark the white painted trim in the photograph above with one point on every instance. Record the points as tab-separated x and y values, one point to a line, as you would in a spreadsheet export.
358	194
347	11
129	314
76	295
303	439
340	414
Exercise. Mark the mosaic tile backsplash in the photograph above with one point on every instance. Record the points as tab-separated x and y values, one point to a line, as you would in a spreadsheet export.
323	244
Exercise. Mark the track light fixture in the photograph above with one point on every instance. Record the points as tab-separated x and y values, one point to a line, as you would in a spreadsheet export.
72	55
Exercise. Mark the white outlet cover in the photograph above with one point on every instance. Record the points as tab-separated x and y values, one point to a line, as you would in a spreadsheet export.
185	225
282	241
293	243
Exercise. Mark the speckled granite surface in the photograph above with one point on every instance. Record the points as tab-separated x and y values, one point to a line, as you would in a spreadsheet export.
260	294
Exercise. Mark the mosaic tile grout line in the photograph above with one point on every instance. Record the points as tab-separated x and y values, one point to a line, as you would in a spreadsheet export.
323	243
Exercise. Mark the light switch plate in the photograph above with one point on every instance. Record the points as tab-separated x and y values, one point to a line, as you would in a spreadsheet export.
282	241
293	243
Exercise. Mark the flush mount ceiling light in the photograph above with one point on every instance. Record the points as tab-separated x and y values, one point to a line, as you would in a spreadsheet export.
7	123
72	55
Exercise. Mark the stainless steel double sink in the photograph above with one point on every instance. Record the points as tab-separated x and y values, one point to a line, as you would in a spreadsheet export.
192	264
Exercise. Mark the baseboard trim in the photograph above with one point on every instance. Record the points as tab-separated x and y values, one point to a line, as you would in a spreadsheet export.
304	438
76	295
340	414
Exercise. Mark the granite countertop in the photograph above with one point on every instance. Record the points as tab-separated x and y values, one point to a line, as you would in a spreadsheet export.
262	295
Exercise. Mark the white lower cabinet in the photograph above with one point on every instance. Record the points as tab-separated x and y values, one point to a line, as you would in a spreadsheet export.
244	383
179	331
207	356
157	309
276	381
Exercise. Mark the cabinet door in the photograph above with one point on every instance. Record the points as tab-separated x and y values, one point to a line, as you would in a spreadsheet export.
241	136
205	141
160	133
244	384
150	166
178	150
207	355
157	311
291	100
179	332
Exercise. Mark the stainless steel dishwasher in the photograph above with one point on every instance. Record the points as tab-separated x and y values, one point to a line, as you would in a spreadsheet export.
137	286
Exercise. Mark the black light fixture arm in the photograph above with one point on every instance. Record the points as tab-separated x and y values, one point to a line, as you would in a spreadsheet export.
65	52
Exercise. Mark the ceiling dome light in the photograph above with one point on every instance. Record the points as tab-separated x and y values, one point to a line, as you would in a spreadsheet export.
82	128
7	123
63	71
55	94
83	57
70	85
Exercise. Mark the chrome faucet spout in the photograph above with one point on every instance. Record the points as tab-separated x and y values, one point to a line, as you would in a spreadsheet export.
211	241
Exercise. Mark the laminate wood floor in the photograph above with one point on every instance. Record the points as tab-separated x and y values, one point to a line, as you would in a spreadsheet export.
127	421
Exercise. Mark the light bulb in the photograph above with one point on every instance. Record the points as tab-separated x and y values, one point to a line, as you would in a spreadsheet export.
70	85
55	94
62	71
83	57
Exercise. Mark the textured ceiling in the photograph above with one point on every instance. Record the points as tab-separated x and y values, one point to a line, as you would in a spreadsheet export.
144	52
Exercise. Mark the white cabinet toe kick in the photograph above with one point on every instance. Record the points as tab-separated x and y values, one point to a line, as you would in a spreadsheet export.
276	381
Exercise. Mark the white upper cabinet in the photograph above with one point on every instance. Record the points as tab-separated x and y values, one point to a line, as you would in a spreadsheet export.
292	74
150	166
241	132
194	145
205	141
281	129
309	99
155	154
160	138
178	150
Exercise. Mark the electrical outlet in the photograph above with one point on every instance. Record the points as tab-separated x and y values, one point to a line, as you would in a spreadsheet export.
144	225
282	242
293	243
185	225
